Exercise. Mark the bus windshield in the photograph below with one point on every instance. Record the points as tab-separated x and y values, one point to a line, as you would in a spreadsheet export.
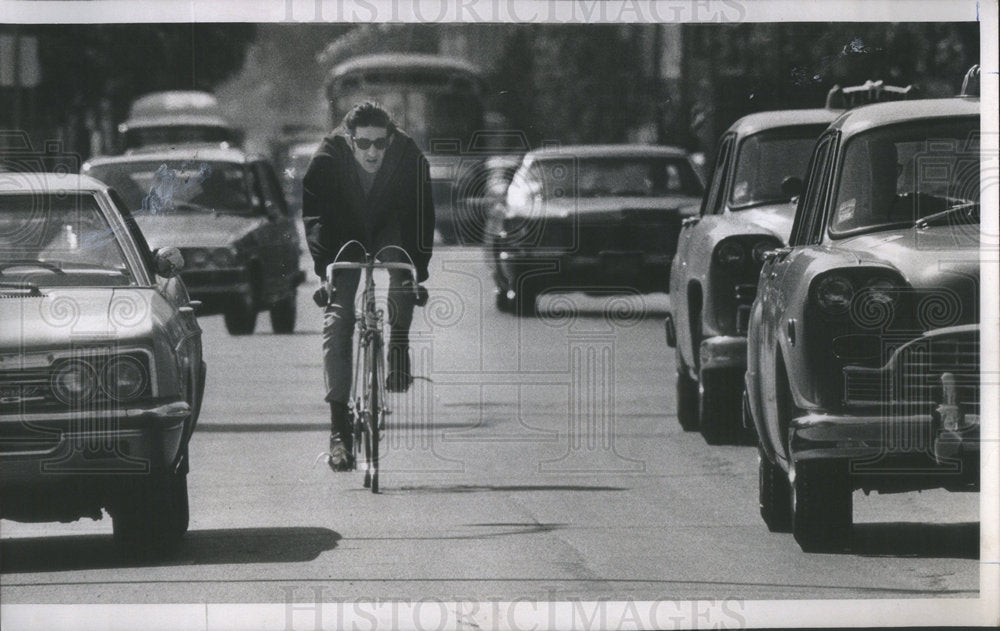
437	102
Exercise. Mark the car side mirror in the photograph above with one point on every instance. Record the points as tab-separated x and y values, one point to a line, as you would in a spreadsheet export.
791	186
169	261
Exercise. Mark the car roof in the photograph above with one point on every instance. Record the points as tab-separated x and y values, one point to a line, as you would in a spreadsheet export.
763	121
176	120
29	182
394	61
880	114
207	152
606	151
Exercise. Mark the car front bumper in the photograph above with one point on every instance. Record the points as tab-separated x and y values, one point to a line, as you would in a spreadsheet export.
38	449
636	270
723	352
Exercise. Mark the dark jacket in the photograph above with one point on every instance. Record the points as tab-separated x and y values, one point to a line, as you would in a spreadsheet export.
398	211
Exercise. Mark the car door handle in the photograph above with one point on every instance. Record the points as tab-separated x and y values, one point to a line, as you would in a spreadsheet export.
689	221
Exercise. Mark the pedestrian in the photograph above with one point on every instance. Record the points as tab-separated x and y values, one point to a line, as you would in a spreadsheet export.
369	182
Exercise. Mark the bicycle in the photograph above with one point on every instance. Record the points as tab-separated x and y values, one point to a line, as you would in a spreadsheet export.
366	407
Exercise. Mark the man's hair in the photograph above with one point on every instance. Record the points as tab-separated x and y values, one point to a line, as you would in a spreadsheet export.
368	114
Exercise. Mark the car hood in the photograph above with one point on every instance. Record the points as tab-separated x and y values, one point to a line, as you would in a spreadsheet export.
616	206
65	316
775	219
923	257
195	229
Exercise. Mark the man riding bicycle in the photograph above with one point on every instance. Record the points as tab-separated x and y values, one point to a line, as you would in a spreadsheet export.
368	182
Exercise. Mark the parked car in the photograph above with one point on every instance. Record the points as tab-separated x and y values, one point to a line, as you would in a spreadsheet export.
863	342
225	210
101	371
746	211
177	117
592	218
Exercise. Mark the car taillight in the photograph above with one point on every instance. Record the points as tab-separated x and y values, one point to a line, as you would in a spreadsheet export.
74	382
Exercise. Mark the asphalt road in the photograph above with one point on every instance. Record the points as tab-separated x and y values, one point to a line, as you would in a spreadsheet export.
534	459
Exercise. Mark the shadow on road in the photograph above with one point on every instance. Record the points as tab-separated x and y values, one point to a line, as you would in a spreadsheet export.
912	539
200	547
483	488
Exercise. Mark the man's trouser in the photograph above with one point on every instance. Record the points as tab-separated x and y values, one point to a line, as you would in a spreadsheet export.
338	327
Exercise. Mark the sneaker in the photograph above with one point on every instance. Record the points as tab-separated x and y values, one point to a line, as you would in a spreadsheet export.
340	459
398	381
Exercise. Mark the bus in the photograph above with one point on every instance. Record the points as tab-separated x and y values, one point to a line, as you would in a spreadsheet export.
439	102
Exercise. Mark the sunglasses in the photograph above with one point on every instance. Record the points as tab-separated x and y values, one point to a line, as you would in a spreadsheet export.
365	143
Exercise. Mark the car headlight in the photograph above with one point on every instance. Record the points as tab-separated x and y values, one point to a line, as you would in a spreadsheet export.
730	253
196	258
124	378
882	291
74	382
223	257
834	294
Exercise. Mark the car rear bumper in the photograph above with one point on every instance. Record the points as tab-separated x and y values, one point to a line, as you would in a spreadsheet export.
43	448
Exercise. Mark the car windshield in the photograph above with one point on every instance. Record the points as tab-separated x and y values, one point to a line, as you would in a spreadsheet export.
178	186
903	174
628	176
766	159
59	239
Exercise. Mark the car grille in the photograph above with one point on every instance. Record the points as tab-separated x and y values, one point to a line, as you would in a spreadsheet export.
912	377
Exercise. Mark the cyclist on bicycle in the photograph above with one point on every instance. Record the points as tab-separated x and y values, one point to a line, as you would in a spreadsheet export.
369	182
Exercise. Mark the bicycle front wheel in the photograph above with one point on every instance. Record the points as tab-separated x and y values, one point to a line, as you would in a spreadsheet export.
375	407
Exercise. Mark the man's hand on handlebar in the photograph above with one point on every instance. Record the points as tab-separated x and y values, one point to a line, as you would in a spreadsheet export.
322	295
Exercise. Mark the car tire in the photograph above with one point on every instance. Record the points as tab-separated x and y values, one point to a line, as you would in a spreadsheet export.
821	505
774	494
152	514
241	316
687	397
720	406
526	299
283	315
503	303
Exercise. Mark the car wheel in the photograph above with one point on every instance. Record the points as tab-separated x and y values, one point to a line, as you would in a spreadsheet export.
687	397
821	505
774	494
720	405
283	315
151	515
241	316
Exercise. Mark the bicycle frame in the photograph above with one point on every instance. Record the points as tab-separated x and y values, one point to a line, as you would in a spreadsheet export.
367	403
